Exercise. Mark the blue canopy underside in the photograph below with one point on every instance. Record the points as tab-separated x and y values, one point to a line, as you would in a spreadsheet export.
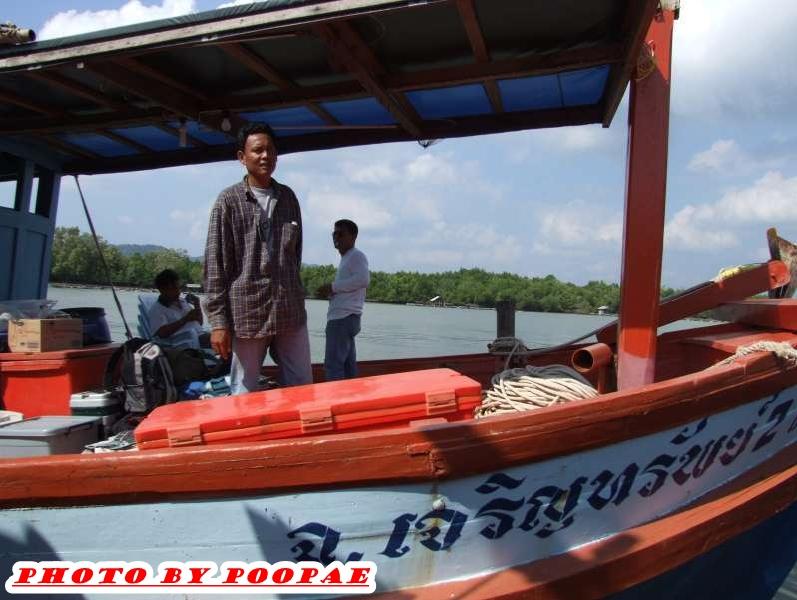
583	87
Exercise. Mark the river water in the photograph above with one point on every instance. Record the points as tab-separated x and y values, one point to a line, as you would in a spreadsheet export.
388	330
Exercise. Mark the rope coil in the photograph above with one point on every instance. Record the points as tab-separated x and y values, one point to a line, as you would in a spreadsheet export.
530	387
783	351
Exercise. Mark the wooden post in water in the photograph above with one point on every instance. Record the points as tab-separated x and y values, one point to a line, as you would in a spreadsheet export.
505	326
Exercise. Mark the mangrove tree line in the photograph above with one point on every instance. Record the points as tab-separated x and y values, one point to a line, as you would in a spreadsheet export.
75	260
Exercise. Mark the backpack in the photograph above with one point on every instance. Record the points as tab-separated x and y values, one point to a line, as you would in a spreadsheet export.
143	372
188	364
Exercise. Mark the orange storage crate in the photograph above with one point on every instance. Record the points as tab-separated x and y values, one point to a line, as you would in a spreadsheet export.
41	384
349	405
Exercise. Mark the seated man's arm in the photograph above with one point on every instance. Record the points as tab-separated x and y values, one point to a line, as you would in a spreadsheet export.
169	329
162	327
194	301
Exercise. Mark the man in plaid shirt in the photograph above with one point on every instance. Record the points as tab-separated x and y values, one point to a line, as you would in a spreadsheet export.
253	257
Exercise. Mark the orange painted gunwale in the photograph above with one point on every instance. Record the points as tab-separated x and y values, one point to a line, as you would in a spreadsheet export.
395	456
636	555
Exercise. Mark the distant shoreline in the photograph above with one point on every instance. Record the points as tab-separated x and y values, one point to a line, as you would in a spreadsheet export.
128	288
100	286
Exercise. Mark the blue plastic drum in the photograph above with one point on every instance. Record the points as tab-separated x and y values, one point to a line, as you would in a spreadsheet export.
95	327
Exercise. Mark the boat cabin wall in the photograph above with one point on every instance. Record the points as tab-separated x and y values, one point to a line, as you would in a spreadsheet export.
27	227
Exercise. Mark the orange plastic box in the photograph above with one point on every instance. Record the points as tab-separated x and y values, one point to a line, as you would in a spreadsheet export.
353	404
42	383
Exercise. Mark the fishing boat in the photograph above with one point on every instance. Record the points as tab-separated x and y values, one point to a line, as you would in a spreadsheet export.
678	479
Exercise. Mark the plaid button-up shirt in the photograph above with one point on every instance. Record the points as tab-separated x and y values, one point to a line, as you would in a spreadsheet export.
252	263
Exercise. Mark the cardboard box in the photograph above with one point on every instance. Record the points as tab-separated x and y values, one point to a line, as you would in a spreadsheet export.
45	335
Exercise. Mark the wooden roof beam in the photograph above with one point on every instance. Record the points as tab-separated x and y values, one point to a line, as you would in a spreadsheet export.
76	89
169	98
68	148
530	66
79	123
112	135
396	82
642	14
467	14
267	72
12	98
508	121
76	150
350	50
136	66
176	133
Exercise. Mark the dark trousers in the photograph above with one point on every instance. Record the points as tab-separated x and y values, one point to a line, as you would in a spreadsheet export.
340	358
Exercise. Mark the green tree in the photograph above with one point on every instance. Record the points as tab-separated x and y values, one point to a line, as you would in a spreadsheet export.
75	260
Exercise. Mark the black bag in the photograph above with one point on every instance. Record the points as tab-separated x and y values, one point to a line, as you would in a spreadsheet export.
188	364
143	371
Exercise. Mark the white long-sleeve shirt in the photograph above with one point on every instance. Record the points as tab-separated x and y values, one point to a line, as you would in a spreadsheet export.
349	286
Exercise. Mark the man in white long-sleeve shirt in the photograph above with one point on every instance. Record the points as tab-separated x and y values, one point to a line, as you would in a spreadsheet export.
346	298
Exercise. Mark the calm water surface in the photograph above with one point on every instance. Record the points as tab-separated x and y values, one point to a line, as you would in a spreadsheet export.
388	330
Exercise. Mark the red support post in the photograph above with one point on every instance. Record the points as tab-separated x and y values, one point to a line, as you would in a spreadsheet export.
646	186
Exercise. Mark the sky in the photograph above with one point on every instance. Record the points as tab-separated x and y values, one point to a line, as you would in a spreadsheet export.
533	203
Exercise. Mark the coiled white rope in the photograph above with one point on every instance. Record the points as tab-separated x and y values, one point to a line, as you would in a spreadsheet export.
529	388
782	350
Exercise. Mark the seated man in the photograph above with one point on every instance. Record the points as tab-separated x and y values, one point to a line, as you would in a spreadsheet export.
171	314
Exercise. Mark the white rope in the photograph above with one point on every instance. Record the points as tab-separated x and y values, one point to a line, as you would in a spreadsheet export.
531	387
782	350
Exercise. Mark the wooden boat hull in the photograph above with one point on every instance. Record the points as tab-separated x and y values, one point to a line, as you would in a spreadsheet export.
752	565
442	531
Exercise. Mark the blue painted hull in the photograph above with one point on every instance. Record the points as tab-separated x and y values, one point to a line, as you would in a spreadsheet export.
751	566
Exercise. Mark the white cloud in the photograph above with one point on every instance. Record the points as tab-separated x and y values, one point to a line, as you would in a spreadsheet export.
770	200
538	144
728	57
194	223
419	204
726	157
431	169
125	219
237	3
447	246
575	139
435	258
687	232
579	224
723	155
73	22
326	206
376	173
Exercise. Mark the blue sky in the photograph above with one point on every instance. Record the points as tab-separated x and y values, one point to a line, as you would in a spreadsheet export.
532	203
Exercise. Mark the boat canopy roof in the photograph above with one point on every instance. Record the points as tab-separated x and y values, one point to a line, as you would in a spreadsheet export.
323	74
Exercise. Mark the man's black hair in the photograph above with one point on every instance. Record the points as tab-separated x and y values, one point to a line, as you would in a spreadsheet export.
251	129
166	277
349	226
